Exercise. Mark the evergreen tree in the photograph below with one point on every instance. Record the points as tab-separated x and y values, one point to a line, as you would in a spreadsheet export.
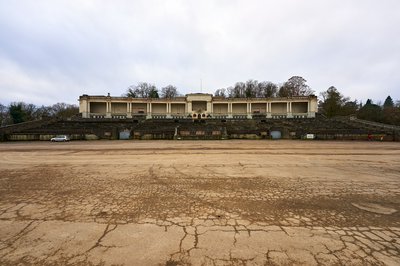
388	103
153	93
371	112
17	114
334	103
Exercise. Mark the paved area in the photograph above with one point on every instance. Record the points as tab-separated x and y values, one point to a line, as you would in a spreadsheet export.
200	203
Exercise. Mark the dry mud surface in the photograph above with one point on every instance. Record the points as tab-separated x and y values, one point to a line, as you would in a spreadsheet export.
200	203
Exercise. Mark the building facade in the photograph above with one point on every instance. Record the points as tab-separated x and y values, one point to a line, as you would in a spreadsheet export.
197	106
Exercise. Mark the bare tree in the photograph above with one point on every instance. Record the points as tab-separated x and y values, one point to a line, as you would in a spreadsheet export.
142	90
266	89
295	86
60	110
220	93
4	115
238	91
130	92
169	91
251	88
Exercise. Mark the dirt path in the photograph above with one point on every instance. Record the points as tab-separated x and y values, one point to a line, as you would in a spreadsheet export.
200	203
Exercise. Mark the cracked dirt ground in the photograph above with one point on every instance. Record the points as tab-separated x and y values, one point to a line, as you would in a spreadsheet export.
200	203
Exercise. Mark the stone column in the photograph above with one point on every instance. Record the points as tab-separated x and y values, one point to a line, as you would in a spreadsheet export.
148	114
129	110
289	111
108	109
312	108
86	113
169	110
230	110
249	116
269	110
209	107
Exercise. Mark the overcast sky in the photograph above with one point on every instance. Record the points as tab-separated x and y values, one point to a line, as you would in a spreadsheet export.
54	51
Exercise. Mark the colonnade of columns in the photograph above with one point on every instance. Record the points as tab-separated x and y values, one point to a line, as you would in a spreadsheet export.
209	108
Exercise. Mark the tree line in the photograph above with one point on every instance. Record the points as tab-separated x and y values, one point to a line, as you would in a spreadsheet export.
18	112
149	90
333	103
295	86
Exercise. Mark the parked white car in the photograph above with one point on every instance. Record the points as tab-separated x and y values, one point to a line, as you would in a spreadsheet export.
60	138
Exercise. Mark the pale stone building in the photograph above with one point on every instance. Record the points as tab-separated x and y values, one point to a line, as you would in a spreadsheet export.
197	106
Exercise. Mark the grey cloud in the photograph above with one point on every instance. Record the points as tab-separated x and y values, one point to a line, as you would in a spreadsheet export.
96	47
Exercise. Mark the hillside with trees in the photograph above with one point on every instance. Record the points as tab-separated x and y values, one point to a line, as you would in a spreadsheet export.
333	103
18	112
